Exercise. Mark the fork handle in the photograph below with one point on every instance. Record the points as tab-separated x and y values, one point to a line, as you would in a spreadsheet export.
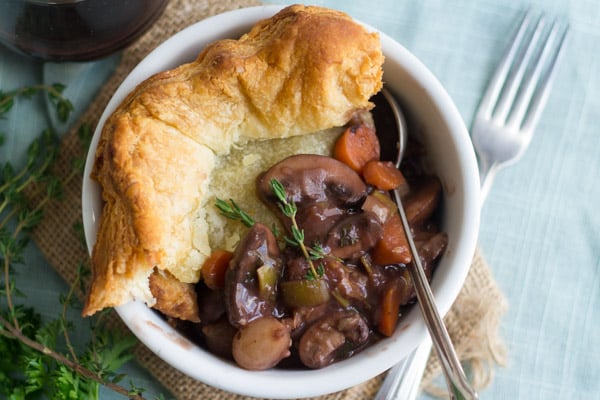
403	380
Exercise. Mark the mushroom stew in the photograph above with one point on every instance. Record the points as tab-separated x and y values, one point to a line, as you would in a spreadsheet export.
333	279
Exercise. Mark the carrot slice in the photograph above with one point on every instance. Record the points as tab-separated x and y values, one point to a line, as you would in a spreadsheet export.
214	268
383	175
357	146
390	309
393	247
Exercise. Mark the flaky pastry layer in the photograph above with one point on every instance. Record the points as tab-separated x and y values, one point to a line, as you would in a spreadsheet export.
304	70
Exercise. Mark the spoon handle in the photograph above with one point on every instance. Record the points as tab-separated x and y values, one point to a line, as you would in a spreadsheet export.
458	385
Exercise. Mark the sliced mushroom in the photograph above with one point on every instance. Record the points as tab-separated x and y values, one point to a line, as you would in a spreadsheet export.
423	201
354	235
317	219
431	250
243	298
310	178
320	345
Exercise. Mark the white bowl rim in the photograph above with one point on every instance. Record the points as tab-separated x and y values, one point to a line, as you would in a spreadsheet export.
185	355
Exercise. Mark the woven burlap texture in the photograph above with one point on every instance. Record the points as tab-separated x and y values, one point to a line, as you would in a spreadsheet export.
472	322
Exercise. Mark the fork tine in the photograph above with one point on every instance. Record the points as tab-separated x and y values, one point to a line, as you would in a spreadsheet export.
514	80
541	96
490	97
526	93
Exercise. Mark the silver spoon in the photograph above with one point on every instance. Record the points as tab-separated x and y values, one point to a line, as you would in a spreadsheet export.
458	385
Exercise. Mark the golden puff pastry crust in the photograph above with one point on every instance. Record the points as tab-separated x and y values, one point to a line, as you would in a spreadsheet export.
303	70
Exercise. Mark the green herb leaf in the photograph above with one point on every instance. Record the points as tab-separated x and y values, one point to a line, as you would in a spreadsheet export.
33	361
234	212
290	209
316	274
317	252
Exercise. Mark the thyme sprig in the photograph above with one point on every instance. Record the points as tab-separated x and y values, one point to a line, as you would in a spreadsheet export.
232	211
289	209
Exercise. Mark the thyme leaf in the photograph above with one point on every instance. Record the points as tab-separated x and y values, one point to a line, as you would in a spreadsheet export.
319	270
290	209
232	211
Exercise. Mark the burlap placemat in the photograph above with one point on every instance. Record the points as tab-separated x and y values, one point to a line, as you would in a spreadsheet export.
473	321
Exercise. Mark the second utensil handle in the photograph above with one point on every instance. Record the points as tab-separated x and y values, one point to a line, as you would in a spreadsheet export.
458	384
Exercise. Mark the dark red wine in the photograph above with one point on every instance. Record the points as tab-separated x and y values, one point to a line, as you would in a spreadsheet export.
75	30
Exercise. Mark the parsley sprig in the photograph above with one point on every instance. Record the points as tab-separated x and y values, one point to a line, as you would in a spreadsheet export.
38	357
62	105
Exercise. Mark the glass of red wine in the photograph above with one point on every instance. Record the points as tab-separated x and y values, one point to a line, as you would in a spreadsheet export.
75	30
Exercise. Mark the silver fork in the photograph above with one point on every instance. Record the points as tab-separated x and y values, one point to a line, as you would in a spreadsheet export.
501	132
515	98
